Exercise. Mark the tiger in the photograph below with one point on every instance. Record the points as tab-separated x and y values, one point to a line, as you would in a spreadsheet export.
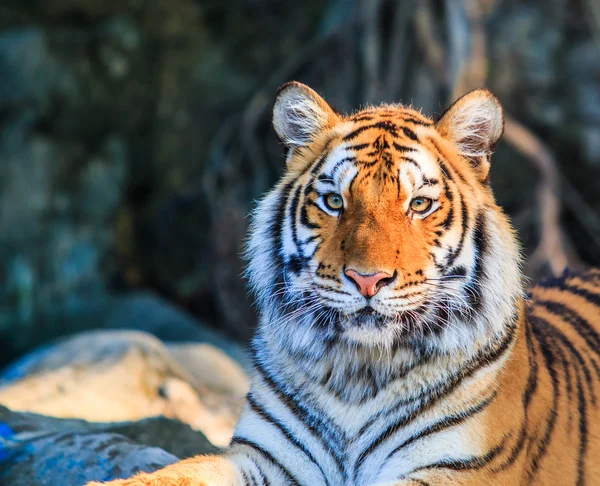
397	343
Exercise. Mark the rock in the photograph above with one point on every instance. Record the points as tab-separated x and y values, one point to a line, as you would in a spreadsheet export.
211	367
108	376
76	458
37	450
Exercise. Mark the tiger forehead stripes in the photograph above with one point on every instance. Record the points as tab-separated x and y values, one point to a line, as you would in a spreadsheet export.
395	344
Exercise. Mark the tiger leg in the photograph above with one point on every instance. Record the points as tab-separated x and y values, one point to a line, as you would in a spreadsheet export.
197	471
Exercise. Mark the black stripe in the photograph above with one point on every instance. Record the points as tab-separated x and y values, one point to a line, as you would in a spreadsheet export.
412	162
410	134
351	184
296	263
443	424
430	182
459	271
358	146
307	223
578	323
540	334
442	163
463	224
412	480
447	191
275	228
449	219
259	409
320	163
403	148
475	462
583	433
445	170
414	121
324	179
418	481
450	215
275	234
386	125
246	479
564	340
310	239
480	241
530	389
313	423
581	292
293	212
592	276
263	476
581	400
268	456
341	162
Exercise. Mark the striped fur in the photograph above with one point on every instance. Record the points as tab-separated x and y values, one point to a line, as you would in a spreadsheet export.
449	375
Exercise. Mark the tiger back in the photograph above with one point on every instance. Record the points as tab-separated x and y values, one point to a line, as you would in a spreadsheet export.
396	344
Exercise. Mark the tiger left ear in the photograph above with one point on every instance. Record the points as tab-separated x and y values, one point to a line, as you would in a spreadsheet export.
300	114
474	124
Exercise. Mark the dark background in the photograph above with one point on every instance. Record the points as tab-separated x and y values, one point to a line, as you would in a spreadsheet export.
135	135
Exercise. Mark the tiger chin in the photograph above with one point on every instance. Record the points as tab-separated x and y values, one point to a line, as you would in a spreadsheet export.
395	343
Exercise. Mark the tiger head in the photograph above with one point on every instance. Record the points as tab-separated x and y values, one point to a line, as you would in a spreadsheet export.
383	230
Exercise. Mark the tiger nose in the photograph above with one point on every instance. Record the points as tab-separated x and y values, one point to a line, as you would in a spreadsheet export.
368	285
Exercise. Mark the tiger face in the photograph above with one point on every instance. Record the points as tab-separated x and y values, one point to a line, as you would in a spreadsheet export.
383	231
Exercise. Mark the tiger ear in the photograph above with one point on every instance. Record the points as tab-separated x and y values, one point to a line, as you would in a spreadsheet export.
300	114
474	124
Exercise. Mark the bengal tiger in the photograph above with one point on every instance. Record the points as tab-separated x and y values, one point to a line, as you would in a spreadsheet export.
396	344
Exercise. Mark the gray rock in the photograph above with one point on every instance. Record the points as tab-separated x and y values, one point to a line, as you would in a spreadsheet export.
37	450
74	459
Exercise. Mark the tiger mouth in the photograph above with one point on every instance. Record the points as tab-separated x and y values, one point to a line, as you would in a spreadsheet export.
367	311
405	322
366	317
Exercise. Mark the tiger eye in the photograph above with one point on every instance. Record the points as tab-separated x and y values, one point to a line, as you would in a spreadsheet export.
420	204
334	201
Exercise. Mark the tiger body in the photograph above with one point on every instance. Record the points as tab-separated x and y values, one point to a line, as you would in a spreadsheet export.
395	343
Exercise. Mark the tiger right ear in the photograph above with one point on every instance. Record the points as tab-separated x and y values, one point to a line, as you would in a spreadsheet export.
475	124
300	114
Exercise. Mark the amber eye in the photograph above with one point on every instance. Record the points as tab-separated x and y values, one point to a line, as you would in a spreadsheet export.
420	204
334	201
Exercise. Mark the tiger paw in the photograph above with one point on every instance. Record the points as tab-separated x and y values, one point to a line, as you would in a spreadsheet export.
196	471
153	480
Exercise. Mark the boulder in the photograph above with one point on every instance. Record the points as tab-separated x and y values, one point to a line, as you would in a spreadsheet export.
38	450
108	376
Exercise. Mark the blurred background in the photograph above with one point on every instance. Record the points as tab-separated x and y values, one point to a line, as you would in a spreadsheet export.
135	134
135	137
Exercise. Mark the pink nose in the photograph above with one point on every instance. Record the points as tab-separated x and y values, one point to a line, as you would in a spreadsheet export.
369	285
